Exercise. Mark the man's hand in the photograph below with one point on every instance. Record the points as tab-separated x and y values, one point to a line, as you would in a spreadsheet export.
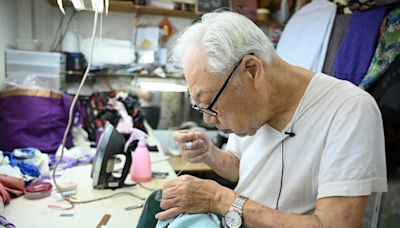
224	163
188	194
201	148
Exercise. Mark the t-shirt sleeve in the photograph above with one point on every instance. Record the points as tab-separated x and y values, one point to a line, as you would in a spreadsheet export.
353	160
233	145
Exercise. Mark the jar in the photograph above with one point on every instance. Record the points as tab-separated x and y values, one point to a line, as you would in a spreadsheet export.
262	14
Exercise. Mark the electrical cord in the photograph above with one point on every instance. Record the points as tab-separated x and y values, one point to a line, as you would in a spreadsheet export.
69	124
58	30
70	118
147	188
290	134
108	197
65	32
281	184
71	112
72	203
62	34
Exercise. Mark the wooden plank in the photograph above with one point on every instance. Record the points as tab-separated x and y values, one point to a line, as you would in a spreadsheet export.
129	7
178	163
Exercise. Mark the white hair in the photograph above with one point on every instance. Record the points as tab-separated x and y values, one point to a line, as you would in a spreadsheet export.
225	37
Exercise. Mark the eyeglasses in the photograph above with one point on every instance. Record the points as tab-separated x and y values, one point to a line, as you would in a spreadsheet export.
209	109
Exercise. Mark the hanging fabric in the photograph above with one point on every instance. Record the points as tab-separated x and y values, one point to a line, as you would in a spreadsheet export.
387	51
386	92
356	50
339	29
305	39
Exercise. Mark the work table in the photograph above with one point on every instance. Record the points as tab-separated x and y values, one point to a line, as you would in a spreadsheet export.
24	212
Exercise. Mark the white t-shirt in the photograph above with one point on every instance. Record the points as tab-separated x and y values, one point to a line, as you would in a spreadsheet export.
338	150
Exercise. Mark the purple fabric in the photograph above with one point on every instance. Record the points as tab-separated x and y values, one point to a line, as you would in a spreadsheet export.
5	222
358	45
33	121
68	162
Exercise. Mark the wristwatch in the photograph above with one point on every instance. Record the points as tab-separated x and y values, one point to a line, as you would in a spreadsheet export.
233	218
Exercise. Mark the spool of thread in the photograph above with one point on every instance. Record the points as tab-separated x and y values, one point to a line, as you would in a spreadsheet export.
38	190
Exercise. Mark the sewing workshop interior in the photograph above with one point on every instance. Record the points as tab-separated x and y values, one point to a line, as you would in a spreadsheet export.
199	113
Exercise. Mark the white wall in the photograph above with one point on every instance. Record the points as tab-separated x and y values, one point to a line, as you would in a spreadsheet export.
8	29
45	22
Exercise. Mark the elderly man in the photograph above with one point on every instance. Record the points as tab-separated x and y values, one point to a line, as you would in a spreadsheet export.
306	149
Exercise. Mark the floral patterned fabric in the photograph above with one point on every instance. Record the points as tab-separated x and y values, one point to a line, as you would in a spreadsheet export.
387	50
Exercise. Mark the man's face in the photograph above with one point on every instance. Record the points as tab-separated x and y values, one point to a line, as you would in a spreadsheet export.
233	106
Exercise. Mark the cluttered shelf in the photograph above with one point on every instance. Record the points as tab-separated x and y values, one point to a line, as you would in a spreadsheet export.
122	6
148	82
134	74
101	74
139	75
127	6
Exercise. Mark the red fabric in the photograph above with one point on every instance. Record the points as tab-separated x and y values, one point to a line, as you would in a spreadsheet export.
10	187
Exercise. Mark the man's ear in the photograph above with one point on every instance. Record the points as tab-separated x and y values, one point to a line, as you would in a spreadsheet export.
252	66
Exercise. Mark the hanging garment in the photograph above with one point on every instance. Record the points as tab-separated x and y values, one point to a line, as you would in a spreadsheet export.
300	3
355	52
339	29
387	50
305	39
386	92
390	209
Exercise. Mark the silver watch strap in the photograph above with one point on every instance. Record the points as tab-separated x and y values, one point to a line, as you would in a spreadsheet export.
238	204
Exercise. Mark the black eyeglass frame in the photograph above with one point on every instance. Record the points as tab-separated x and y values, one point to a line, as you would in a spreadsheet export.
208	110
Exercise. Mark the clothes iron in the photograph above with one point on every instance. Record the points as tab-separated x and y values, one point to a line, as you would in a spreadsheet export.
110	145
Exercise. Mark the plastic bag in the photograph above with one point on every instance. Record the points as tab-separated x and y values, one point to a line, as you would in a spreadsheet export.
24	80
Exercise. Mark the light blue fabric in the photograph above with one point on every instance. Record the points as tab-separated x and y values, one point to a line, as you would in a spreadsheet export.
304	41
191	221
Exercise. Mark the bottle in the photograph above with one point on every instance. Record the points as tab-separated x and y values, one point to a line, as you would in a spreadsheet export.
141	164
70	43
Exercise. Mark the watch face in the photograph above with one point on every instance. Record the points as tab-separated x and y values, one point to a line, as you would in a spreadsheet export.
233	219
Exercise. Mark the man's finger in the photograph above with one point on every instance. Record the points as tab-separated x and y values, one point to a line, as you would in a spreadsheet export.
170	213
167	204
182	137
